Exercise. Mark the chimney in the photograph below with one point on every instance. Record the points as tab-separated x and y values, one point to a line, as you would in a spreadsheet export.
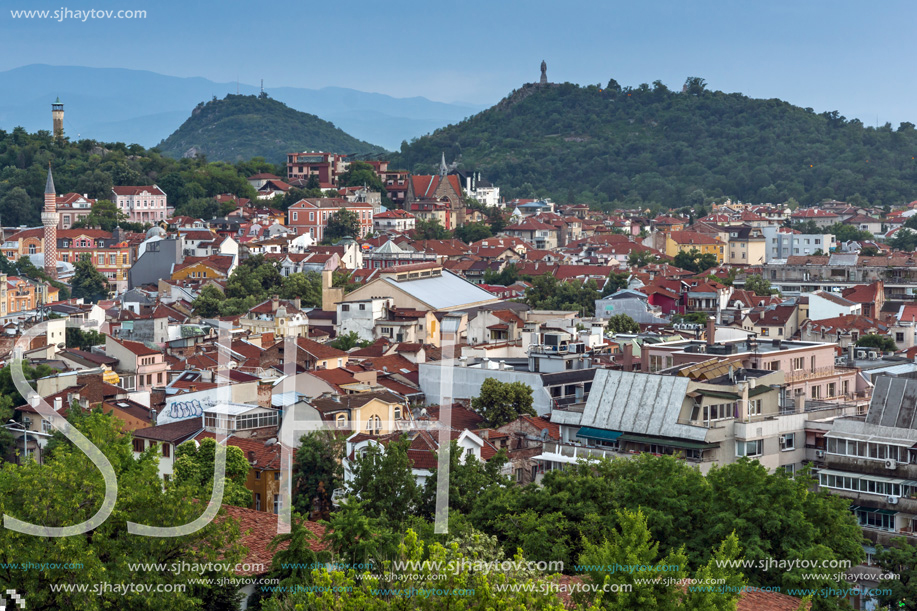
297	303
851	349
58	403
275	302
711	330
800	403
627	362
267	340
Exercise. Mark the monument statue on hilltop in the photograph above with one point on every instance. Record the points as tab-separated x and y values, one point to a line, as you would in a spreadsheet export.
544	73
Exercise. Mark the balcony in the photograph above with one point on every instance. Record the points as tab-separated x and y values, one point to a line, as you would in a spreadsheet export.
904	504
866	466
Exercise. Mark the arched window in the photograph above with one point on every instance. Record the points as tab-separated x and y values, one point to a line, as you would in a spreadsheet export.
341	421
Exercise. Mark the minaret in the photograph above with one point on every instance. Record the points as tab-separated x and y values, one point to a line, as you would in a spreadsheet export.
49	218
57	118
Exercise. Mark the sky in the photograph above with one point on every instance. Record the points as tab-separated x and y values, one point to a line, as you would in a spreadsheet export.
854	57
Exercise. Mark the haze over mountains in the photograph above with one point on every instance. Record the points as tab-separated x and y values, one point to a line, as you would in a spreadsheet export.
137	106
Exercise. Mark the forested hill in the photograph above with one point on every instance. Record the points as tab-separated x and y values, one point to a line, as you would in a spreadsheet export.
240	127
654	145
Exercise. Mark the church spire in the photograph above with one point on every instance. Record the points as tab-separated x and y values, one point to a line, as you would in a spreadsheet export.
443	170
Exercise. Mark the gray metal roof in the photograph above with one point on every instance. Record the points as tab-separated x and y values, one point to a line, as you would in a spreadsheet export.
443	292
640	403
894	403
839	259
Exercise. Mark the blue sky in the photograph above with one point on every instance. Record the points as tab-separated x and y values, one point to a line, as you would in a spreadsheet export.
853	57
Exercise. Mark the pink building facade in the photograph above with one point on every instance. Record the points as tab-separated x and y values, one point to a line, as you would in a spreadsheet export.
147	204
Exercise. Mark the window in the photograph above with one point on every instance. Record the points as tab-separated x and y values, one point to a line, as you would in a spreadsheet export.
750	448
166	477
812	364
816	392
277	504
311	216
276	476
138	445
788	442
754	407
257	501
345	308
341	421
798	363
45	426
295	216
257	474
166	451
362	307
398	413
899	337
832	389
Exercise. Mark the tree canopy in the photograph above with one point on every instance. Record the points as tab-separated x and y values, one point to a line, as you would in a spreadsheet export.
501	402
88	283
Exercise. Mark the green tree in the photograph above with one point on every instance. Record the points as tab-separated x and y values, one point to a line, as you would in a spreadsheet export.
83	340
290	561
694	261
874	340
900	558
868	251
208	301
472	232
317	461
904	239
846	233
616	281
105	215
307	286
501	402
505	277
430	230
548	293
72	492
383	479
469	478
341	224
622	323
350	590
88	283
695	85
194	464
356	538
758	285
641	258
349	340
632	545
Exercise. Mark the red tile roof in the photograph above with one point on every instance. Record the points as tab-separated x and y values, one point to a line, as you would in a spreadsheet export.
258	529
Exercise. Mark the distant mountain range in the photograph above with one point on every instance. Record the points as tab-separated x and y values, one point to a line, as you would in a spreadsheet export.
240	127
137	106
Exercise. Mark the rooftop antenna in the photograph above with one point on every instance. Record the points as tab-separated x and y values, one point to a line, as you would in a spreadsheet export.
262	86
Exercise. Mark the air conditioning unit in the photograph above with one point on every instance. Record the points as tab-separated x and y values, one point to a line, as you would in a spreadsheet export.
782	442
892	500
819	453
891	464
873	356
861	354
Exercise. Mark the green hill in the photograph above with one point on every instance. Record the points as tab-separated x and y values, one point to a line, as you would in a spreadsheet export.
240	127
650	144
